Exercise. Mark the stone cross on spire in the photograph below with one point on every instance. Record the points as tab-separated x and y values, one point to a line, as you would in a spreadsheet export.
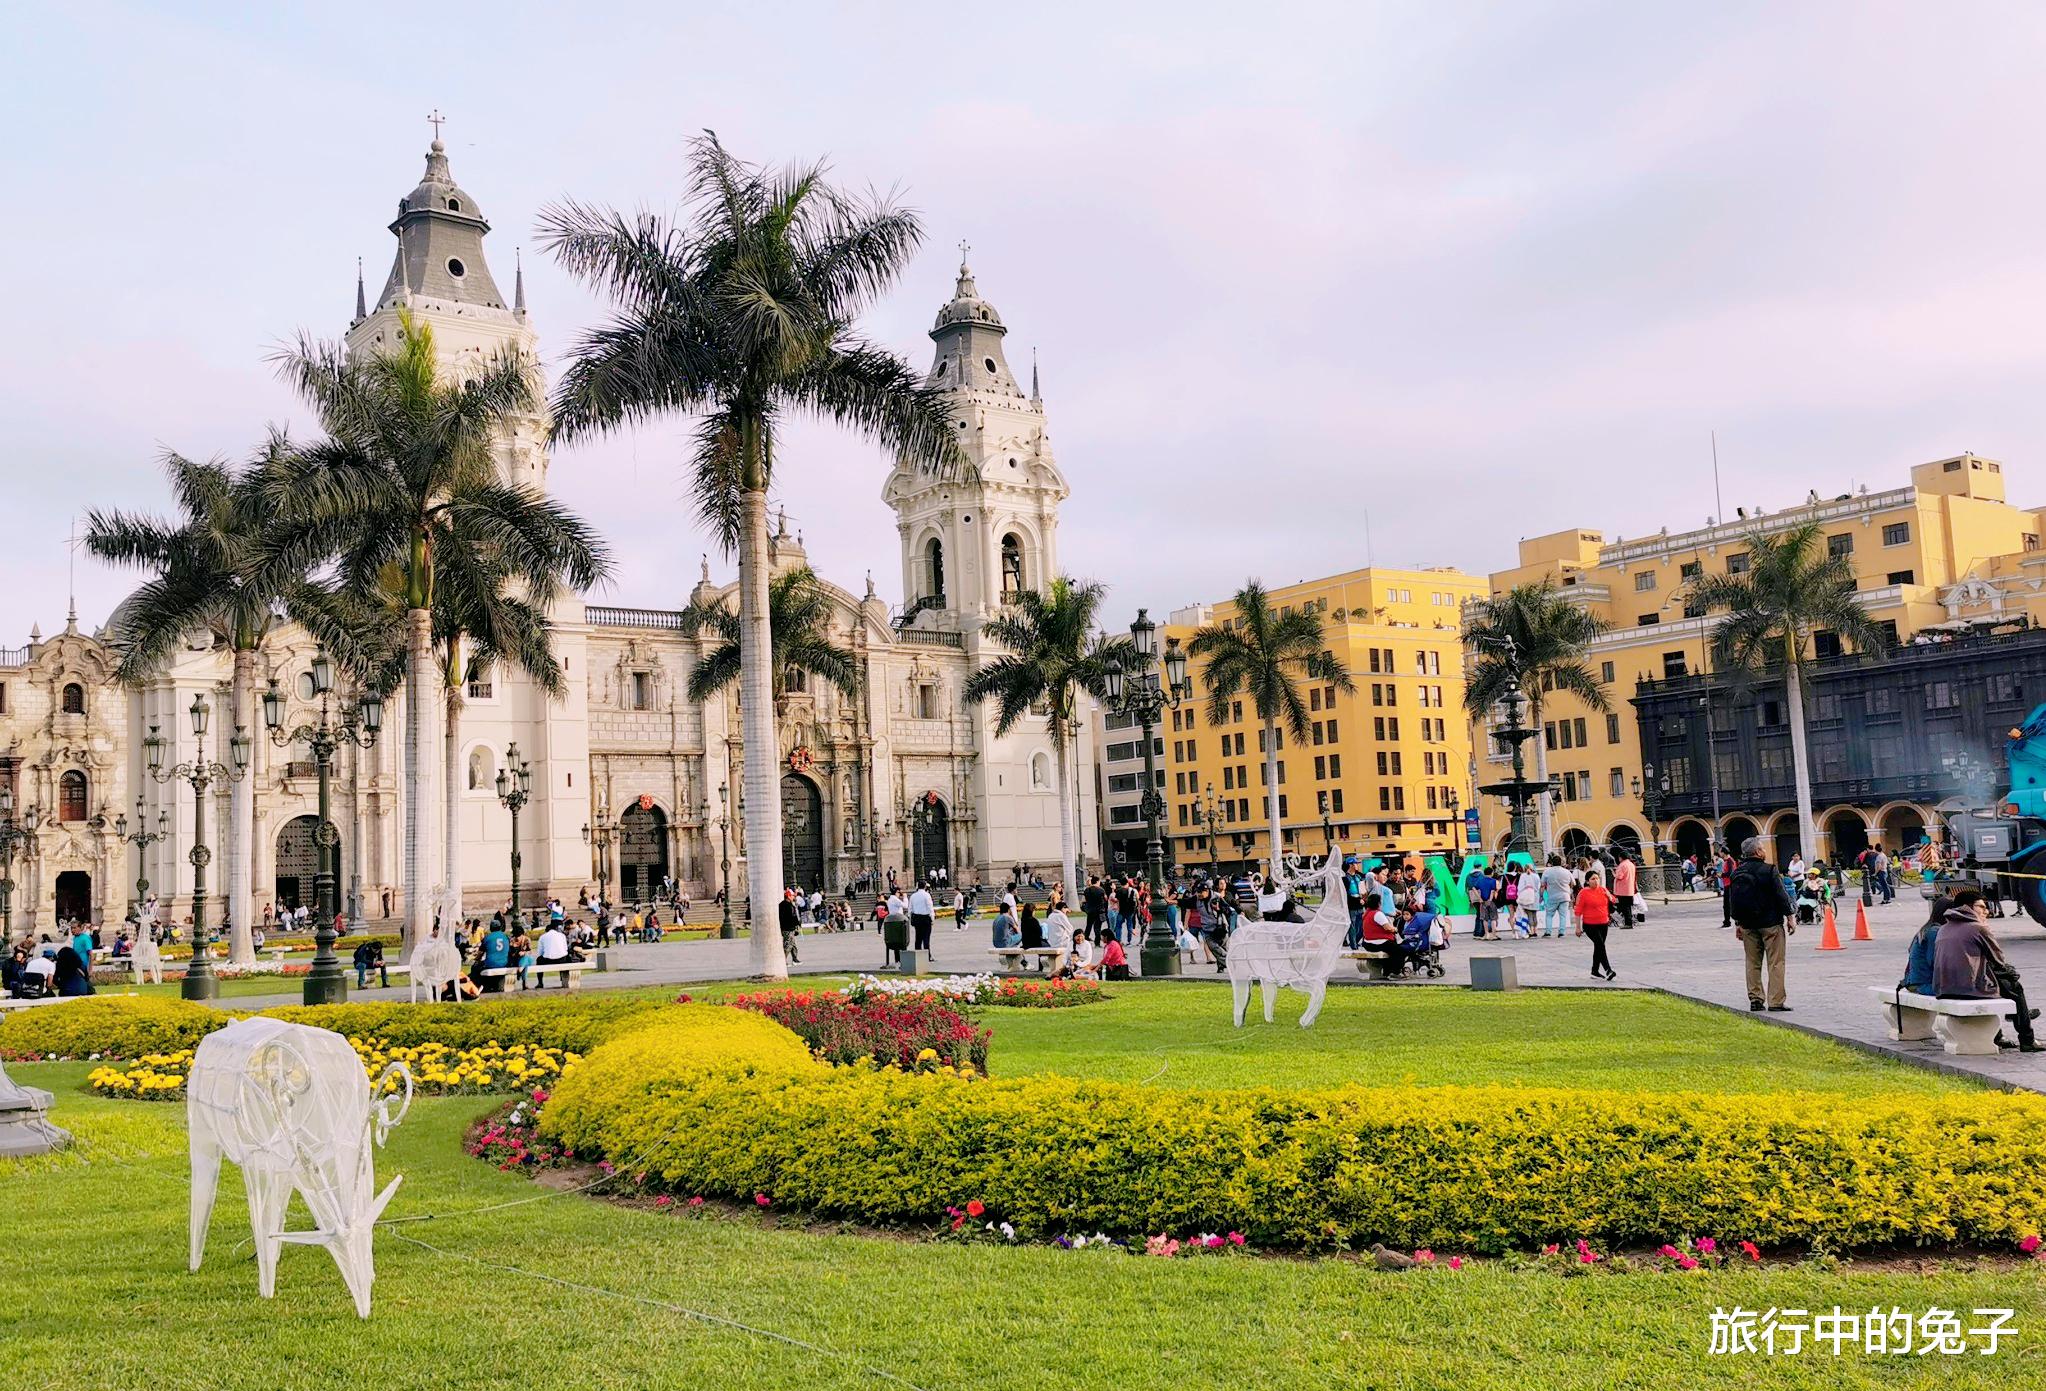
436	120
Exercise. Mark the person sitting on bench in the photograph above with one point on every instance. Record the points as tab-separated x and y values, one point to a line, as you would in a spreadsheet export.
554	951
1382	939
1968	964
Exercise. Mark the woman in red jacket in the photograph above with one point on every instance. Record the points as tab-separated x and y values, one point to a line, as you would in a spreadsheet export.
1594	919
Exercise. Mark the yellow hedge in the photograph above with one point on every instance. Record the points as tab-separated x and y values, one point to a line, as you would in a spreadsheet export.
1484	1169
111	1026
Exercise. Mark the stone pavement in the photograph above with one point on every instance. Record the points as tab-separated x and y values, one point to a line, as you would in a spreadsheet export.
1681	949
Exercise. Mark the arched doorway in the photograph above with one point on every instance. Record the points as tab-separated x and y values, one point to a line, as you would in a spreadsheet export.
298	862
1903	829
930	837
1623	839
1576	840
1735	831
74	896
642	851
1691	838
802	834
1847	837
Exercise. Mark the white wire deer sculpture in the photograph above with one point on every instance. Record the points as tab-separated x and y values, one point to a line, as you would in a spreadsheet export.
293	1107
1303	955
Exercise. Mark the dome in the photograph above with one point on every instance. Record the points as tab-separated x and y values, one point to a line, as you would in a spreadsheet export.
967	307
438	192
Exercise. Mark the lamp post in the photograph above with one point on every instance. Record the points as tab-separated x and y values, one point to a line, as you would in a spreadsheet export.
599	840
1328	830
326	983
141	838
1211	815
725	931
200	982
514	790
16	835
1140	693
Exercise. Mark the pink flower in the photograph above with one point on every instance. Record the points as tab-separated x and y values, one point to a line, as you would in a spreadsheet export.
1687	1262
1212	1242
664	1201
1424	1255
1456	1262
1706	1244
958	1221
2030	1244
1236	1238
1551	1249
539	1096
696	1202
605	1165
1668	1252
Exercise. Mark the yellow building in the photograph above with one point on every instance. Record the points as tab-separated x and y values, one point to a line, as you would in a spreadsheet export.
1385	766
1932	557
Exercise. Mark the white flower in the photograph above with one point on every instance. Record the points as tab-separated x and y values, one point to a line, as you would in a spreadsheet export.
1079	1242
1008	1231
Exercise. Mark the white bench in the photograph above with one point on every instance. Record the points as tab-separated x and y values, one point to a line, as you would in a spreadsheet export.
569	971
1965	1027
9	1002
1371	965
1011	958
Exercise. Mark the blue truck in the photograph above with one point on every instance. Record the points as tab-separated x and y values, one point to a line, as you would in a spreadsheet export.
2004	847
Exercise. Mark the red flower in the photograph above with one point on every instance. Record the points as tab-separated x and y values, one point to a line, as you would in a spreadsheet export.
760	1199
957	1223
1236	1238
1751	1251
2029	1244
696	1202
664	1201
975	1208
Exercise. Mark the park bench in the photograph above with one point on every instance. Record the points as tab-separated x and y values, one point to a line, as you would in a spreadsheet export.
569	971
1370	965
1966	1027
1011	958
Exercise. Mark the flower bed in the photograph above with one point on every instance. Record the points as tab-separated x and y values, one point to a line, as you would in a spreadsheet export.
437	1069
106	1027
977	990
908	1031
1477	1169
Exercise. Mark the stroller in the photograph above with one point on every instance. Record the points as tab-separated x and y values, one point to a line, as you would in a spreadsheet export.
1416	942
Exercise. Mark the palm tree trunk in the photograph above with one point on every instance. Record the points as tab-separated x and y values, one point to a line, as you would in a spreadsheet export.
1545	805
419	686
241	820
1272	794
757	733
1793	690
451	818
1066	842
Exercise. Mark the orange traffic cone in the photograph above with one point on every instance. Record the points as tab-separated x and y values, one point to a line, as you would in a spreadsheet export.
1861	932
1829	940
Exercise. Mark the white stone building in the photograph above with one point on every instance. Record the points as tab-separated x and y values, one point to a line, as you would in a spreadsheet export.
626	772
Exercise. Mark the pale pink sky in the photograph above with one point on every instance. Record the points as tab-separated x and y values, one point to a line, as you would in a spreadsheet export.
1485	271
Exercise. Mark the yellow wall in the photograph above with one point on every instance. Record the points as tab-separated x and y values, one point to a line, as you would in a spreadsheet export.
1956	524
1397	634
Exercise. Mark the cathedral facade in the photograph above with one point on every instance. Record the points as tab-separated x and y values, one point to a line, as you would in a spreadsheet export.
631	781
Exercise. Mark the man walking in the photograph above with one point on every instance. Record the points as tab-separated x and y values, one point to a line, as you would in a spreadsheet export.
922	916
1095	900
1624	884
790	919
1760	908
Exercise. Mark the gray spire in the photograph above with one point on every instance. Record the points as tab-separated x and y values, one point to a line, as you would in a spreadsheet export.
1035	394
361	304
518	281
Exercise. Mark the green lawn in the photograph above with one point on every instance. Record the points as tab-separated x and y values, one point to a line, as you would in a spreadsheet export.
1181	1035
97	1296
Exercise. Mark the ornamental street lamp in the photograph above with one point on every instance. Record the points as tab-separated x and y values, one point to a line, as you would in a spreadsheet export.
1328	830
514	790
141	838
598	838
1141	694
725	930
16	836
200	982
325	983
1210	812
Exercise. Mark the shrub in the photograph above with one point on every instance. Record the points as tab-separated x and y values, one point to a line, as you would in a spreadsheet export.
1473	1169
437	1069
577	1025
110	1026
904	1030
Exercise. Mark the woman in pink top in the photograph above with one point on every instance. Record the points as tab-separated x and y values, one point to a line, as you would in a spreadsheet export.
1623	889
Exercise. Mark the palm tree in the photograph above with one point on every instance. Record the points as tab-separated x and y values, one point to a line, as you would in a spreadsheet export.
799	625
212	575
1791	590
406	482
1267	654
744	317
1533	635
1054	655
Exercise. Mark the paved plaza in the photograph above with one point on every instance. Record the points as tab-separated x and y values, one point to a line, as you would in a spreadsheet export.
1681	949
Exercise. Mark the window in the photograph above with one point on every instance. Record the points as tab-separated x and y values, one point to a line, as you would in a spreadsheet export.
1939	695
1678	771
1775	765
1693	607
1647	620
1235	714
3	697
1012	566
1332	736
1127	782
1314	699
71	798
1897	534
1882	701
2006	689
1673	666
1335	801
1578	725
1374	661
1605	672
1690	570
1826	707
481	681
1647	579
1901	577
1335	765
1825	644
456	268
1737	564
923	705
1320	767
1316	731
1770	713
74	699
1842	544
1612	729
1549	736
934	569
1616	783
2031	541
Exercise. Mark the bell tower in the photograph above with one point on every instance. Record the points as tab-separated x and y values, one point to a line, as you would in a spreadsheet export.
976	535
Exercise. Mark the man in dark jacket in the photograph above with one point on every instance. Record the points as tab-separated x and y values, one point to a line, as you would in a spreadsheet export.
1968	964
791	923
1760	908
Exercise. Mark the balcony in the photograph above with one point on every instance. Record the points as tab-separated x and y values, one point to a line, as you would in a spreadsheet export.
659	620
930	637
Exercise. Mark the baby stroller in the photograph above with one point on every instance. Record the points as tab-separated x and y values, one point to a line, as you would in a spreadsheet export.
1422	953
